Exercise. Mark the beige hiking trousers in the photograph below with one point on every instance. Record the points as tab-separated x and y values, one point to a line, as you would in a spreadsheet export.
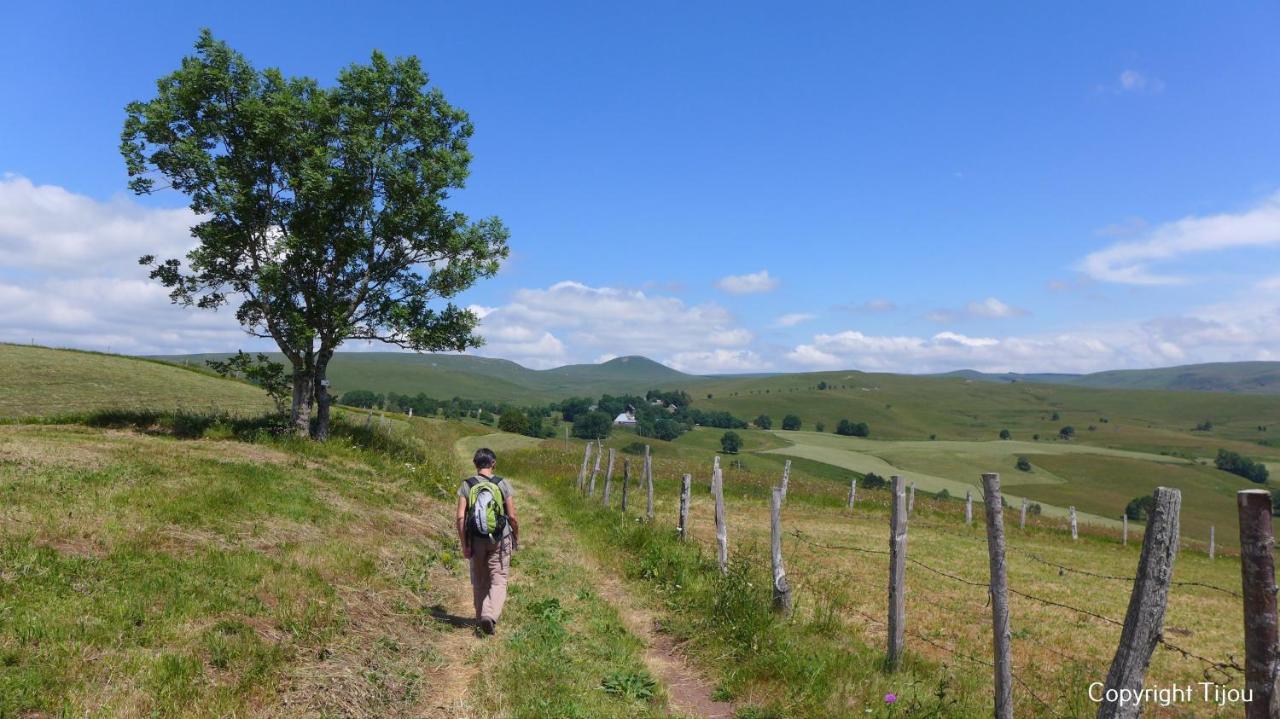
489	564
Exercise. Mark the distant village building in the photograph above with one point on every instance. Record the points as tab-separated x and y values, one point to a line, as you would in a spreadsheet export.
627	418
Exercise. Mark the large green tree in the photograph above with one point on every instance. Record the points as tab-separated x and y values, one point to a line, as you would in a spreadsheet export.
322	210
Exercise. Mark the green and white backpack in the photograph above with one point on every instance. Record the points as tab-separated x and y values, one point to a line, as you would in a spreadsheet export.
486	508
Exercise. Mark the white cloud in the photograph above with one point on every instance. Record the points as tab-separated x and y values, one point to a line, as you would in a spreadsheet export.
590	321
753	283
1138	82
990	308
1130	262
717	361
792	319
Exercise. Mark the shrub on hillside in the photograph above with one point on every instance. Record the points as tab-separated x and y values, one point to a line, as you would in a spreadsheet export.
791	422
852	429
592	425
1205	426
514	421
634	448
763	422
1023	464
1067	432
1238	464
820	427
1005	434
1139	507
730	442
361	398
871	480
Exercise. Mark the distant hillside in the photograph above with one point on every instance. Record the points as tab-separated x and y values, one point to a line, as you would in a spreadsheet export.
482	378
1235	377
40	382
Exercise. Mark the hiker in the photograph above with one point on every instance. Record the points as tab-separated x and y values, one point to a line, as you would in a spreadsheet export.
489	532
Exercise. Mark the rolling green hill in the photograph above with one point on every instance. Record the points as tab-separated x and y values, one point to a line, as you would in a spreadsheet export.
1237	377
43	382
481	378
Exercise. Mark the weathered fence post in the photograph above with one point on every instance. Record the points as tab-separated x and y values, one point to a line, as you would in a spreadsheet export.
591	491
853	491
1258	576
1000	636
1075	534
648	484
897	574
781	590
582	473
968	506
1124	530
1022	521
786	478
626	480
608	479
686	487
1144	621
1211	538
722	530
911	499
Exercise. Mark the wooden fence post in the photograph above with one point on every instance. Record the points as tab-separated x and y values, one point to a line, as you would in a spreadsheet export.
648	484
781	590
591	492
1211	538
1144	621
1258	576
1075	534
595	471
608	478
626	480
786	478
582	473
686	487
1124	530
1022	521
722	530
968	506
1000	636
897	574
853	491
911	499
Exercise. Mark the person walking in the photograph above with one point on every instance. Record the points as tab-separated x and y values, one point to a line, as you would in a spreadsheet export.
489	533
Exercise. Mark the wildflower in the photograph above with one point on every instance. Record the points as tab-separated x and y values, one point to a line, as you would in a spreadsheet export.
890	698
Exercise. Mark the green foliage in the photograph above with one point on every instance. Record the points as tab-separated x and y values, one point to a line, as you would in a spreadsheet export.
1005	434
1067	432
943	494
259	370
362	398
636	448
1205	426
764	422
574	407
853	429
1055	417
1275	502
1035	509
791	422
731	442
1139	508
820	427
1023	464
514	421
592	425
295	182
871	480
633	685
1238	464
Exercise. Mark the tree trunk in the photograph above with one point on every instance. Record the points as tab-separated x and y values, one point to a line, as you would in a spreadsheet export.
323	399
303	393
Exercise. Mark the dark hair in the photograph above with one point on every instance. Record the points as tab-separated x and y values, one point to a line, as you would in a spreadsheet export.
485	458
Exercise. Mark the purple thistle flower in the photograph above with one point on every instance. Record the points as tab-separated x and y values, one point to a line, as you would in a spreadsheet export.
890	698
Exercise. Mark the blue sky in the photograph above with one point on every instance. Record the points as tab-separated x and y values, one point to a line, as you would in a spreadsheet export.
924	188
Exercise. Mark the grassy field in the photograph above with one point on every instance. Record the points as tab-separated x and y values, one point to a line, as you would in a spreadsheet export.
41	382
826	659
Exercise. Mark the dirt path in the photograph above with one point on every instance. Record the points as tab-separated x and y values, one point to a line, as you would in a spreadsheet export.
689	693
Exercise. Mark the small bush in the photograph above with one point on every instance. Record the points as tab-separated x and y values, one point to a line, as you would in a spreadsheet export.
1005	434
791	422
730	442
632	685
1023	464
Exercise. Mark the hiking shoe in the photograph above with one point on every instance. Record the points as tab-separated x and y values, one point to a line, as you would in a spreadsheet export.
487	625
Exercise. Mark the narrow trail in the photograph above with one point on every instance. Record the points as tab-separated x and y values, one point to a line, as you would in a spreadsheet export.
688	692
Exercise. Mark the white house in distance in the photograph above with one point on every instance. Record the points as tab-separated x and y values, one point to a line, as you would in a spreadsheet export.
627	418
